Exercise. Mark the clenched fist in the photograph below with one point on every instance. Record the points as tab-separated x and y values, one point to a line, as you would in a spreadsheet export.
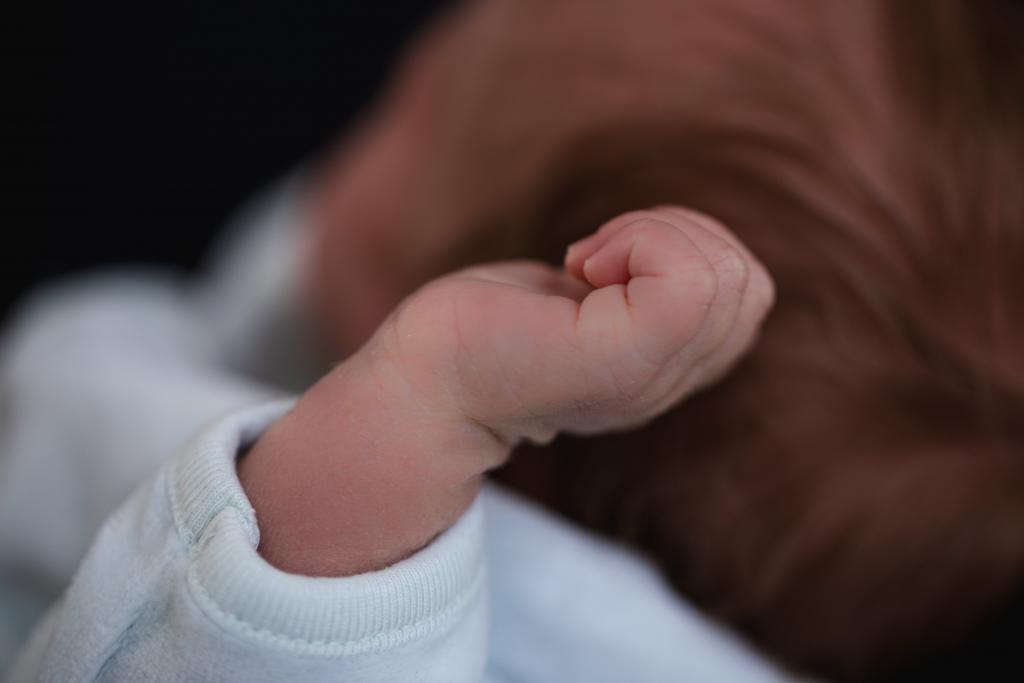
651	307
388	449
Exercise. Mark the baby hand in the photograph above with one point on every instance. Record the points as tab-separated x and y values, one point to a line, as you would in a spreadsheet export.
388	449
650	308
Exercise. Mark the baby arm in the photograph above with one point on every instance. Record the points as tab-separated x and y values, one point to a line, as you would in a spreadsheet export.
387	450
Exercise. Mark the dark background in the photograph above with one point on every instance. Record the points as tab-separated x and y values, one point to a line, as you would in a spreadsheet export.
136	127
131	130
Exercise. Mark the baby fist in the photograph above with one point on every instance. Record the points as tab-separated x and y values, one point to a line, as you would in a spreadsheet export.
653	306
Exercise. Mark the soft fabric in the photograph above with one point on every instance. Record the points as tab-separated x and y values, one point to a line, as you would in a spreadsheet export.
108	382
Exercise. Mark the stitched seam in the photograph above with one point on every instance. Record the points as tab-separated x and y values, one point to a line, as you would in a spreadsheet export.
228	620
188	536
377	641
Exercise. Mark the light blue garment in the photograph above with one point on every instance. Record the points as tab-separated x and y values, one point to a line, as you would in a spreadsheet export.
108	383
173	589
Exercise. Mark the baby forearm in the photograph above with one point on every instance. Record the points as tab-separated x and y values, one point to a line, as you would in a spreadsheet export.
362	472
388	449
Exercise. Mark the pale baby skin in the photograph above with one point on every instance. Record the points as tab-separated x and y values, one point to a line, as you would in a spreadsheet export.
389	448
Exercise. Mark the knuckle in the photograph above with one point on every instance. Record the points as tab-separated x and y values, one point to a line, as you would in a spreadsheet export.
732	267
623	220
643	222
708	222
703	283
651	226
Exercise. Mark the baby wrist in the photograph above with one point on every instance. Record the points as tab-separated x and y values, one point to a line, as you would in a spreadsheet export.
358	476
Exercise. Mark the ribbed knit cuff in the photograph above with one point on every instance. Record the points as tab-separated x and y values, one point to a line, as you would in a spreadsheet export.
234	586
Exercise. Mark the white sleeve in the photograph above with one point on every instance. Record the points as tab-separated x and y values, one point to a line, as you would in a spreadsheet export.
102	377
172	589
100	380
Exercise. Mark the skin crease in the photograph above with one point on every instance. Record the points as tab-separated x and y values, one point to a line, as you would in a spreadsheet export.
430	160
388	449
488	98
869	153
434	161
386	207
